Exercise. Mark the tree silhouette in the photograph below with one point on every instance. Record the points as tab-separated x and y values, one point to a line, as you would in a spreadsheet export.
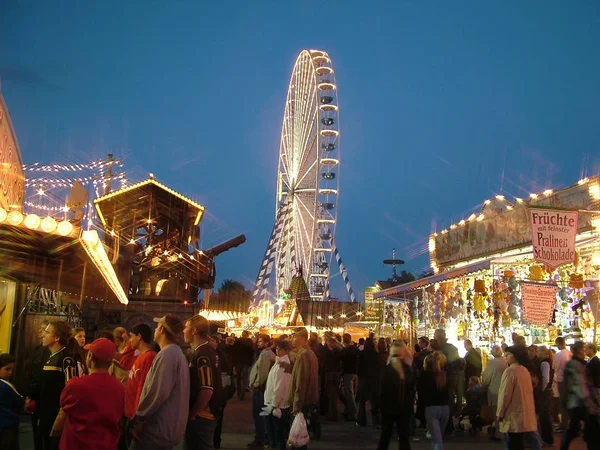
231	296
405	277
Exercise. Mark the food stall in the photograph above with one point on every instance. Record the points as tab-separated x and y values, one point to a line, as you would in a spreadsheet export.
530	266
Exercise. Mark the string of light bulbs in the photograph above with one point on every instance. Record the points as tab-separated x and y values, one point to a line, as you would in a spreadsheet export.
94	165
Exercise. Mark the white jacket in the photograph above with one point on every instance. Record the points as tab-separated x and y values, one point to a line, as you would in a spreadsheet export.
278	384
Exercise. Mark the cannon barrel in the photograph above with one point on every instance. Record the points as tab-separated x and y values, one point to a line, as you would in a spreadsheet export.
227	245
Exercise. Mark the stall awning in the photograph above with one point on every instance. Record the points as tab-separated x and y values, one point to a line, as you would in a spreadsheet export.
472	268
75	263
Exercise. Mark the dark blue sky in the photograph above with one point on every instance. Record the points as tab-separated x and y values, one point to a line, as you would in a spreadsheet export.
443	104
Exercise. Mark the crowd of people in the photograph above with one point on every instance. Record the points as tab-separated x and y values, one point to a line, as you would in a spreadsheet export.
140	390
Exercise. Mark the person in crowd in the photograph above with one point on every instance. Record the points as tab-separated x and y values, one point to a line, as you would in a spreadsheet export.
397	397
163	411
546	374
419	360
434	346
277	409
206	396
432	387
226	369
473	363
516	408
332	371
455	369
578	400
11	405
75	351
563	356
243	357
491	378
314	343
555	395
57	371
532	354
369	372
592	367
361	344
38	359
79	334
518	340
349	357
303	393
503	344
140	339
91	406
258	380
383	351
124	357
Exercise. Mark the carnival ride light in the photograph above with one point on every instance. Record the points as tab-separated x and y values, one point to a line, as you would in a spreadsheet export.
32	221
15	218
40	191
48	224
480	218
582	181
64	228
473	216
3	214
95	249
533	196
499	197
595	191
431	244
519	200
330	317
319	317
548	192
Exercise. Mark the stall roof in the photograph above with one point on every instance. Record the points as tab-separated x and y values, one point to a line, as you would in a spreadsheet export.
433	279
220	316
76	263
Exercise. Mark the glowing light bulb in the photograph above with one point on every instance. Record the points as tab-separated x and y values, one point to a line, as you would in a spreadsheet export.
48	224
64	228
15	218
32	221
3	214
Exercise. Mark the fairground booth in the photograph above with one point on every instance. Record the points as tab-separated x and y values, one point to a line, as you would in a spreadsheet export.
529	266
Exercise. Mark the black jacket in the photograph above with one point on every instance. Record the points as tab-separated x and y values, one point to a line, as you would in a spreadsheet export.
397	394
349	357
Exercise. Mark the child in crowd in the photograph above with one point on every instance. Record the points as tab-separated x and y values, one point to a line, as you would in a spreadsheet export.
11	405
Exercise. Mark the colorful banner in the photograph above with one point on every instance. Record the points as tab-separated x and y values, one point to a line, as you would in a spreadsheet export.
538	302
553	233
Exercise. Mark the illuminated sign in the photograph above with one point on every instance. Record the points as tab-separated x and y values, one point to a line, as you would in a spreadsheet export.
12	179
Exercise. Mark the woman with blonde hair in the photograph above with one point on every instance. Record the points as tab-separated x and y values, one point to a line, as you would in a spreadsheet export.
397	397
433	392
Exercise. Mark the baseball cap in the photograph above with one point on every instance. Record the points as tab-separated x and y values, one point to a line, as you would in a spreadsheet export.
171	323
103	349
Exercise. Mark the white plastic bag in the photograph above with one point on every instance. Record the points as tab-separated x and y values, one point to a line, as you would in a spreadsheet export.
298	433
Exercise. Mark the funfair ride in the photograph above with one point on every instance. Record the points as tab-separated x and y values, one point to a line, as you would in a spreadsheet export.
303	236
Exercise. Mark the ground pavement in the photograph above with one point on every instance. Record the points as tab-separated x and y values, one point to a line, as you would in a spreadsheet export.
238	430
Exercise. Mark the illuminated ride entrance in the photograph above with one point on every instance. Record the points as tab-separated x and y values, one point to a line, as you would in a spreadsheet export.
303	236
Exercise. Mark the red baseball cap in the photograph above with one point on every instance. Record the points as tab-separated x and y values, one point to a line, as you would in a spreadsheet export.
102	348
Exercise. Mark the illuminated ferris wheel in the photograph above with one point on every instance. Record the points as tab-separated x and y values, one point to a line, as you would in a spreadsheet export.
307	184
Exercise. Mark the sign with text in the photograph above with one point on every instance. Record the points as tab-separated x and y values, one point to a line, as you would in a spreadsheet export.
538	302
553	233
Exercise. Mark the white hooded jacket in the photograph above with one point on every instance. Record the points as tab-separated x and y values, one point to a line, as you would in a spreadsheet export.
278	384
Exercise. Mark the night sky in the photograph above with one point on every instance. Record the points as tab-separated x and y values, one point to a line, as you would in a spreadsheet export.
442	105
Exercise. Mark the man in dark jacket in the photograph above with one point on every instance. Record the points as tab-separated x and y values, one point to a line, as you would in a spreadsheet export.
243	357
473	362
349	357
455	370
578	400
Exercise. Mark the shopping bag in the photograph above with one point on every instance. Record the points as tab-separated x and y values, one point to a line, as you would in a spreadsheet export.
298	433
